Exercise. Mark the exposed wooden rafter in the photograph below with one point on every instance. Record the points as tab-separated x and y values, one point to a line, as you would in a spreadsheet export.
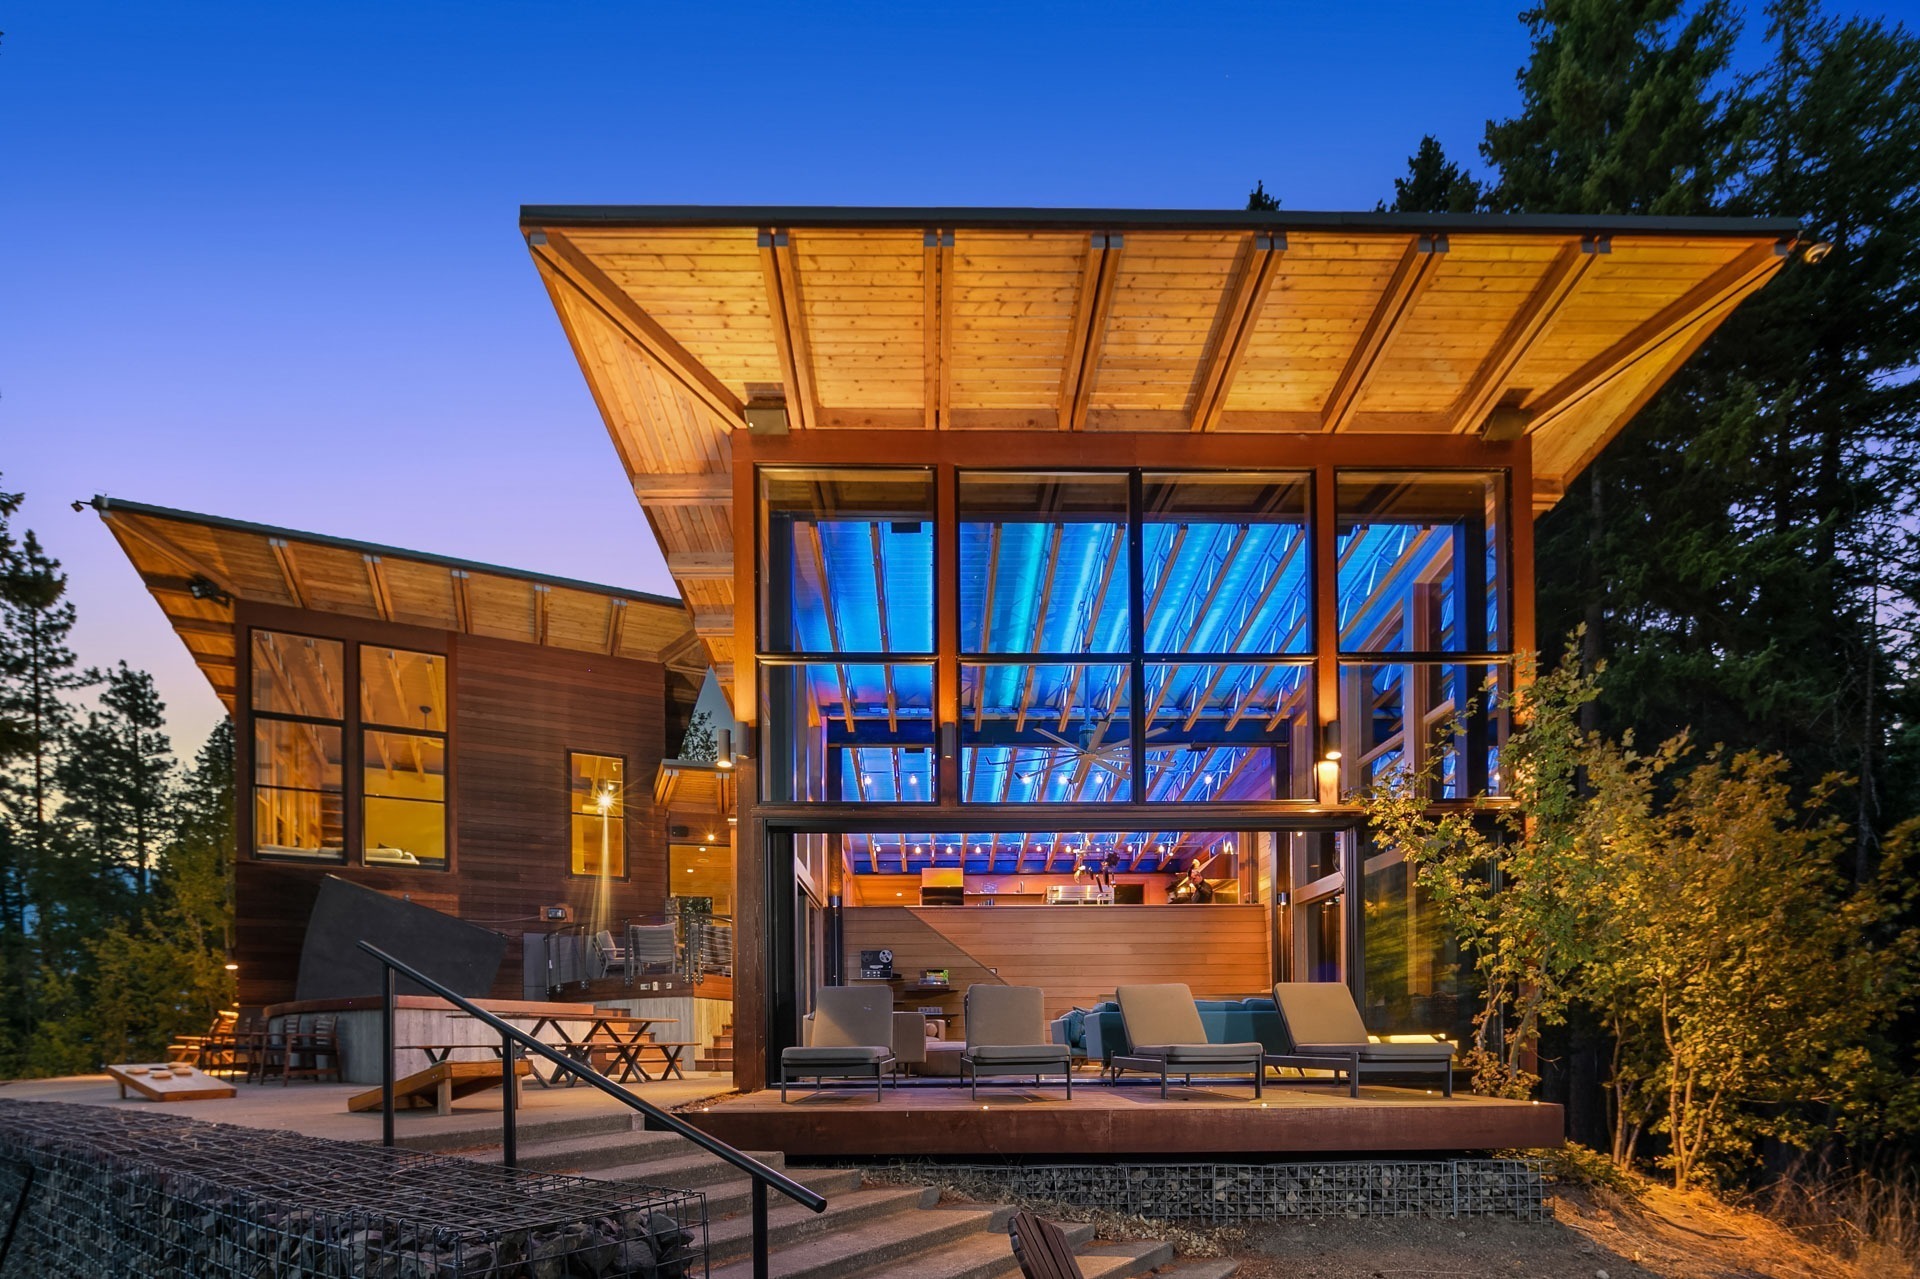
200	626
701	566
1240	306
556	253
289	571
937	329
789	321
541	594
1090	310
460	582
1714	296
616	624
377	584
701	488
1535	317
1412	274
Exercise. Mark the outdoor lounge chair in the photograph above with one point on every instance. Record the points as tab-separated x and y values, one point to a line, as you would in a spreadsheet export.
1007	1035
851	1037
1168	1038
1324	1027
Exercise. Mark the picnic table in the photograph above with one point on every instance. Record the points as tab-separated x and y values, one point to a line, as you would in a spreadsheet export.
622	1038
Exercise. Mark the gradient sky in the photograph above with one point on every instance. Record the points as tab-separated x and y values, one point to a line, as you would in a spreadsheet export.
261	259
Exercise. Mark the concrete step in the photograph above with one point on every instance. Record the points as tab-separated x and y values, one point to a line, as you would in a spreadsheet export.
591	1153
872	1246
1124	1260
789	1224
727	1191
543	1130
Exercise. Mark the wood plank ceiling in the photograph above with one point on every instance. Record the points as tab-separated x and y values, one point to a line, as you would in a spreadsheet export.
1344	324
197	566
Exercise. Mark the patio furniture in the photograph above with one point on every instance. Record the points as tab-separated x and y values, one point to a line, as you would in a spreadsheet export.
196	1050
1168	1039
849	1036
1325	1031
269	1049
1041	1248
607	957
312	1051
650	948
440	1085
1006	1035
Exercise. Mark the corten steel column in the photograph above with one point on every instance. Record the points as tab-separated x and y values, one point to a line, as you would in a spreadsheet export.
749	939
1321	532
946	632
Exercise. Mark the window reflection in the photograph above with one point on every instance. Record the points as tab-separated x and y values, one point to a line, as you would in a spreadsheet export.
1045	733
1226	563
846	560
1448	721
849	732
1229	732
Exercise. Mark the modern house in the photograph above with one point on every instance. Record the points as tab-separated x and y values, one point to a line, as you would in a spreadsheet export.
1070	572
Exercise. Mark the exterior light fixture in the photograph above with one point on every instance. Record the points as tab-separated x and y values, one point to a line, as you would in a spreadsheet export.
765	415
723	748
1330	740
232	967
949	740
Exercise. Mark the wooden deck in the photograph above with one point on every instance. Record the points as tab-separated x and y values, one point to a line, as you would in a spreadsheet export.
1129	1119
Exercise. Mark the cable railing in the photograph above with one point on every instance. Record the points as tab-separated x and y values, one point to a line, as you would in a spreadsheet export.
513	1040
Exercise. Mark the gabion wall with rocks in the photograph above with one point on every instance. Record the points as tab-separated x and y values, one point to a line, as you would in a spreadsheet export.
112	1191
1217	1192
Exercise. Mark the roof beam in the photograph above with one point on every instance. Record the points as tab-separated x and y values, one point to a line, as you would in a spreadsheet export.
540	612
1090	310
1718	292
1535	317
1411	275
557	253
377	584
1240	306
789	324
700	565
700	488
155	540
200	626
937	329
289	571
458	580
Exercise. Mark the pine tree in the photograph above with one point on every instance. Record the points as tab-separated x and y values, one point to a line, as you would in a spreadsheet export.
116	778
1434	184
1258	201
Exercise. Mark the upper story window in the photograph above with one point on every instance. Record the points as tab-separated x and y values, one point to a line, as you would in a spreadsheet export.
1423	561
298	698
597	814
403	757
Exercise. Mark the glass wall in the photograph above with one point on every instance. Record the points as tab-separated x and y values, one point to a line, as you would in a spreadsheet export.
1126	636
1417	980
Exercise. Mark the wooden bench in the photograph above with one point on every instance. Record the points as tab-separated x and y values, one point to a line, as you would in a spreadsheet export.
439	1085
1042	1249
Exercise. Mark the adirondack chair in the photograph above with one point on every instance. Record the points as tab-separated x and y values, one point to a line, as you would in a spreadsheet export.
1042	1249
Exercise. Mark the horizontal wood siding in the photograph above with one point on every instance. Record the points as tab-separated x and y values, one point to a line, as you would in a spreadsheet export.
517	710
1076	954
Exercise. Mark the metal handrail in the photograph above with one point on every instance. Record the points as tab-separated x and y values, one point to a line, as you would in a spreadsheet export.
761	1175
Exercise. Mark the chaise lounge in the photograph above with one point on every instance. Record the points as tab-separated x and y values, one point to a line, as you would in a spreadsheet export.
1168	1038
1325	1032
850	1037
1006	1035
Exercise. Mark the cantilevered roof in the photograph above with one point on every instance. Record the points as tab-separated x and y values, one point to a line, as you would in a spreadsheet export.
1556	327
196	566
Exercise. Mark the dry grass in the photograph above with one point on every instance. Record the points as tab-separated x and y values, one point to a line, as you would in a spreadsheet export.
1872	1220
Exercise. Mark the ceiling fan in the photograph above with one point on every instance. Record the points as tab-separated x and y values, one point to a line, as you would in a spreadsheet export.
1090	754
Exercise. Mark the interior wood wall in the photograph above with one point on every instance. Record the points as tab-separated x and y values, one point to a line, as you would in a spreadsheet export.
517	711
1077	954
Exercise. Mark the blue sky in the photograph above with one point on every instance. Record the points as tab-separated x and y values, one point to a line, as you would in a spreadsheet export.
261	259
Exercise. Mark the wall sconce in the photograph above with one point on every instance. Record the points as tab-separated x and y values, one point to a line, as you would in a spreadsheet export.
949	740
723	748
1330	740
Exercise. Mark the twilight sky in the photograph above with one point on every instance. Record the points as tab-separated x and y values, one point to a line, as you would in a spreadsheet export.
261	260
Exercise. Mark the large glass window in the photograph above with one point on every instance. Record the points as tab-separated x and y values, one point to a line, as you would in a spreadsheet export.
846	561
297	692
1226	563
1229	731
1445	721
1417	979
1422	561
849	732
597	814
1043	563
403	762
1046	733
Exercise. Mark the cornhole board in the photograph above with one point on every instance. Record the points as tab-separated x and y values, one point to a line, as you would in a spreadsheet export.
195	1085
439	1085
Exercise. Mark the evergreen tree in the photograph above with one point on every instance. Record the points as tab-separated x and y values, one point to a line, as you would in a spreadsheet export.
1434	184
1258	201
116	779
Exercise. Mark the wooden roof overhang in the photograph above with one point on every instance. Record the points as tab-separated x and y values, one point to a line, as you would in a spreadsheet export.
1552	328
198	566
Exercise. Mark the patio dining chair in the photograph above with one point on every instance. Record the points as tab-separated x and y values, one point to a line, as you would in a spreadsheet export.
850	1036
1007	1035
1326	1032
650	948
313	1050
1168	1038
608	957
